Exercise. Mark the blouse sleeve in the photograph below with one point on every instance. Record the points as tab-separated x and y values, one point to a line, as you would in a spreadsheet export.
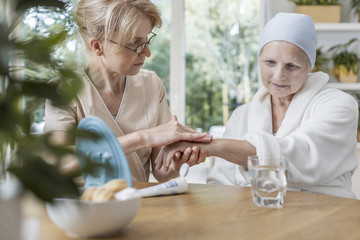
59	118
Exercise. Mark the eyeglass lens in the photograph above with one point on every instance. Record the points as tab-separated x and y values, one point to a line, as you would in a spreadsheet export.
142	46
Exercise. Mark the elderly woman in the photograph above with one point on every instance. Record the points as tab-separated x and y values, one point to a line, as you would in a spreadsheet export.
117	35
295	113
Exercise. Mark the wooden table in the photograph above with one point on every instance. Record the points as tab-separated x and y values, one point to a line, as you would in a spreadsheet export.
227	212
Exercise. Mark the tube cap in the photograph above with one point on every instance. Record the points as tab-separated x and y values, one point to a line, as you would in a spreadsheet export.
184	170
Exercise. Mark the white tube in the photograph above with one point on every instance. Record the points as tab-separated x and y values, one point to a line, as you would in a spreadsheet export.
175	186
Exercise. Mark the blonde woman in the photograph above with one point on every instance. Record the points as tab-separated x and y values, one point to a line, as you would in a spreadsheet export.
132	101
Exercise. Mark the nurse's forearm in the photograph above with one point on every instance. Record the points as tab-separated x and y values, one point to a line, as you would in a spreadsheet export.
235	151
133	142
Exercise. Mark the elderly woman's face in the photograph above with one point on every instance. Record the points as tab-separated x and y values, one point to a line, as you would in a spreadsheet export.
284	68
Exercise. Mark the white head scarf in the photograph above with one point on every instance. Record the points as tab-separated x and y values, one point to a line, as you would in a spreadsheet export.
295	28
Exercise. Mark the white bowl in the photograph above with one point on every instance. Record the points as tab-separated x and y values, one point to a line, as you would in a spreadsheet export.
92	219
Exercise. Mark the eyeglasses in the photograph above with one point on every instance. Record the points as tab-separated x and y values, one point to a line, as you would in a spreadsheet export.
141	47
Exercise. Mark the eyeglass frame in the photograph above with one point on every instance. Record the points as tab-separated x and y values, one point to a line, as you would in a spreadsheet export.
141	47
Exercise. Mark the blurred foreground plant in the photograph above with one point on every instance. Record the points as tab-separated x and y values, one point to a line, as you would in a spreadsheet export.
30	153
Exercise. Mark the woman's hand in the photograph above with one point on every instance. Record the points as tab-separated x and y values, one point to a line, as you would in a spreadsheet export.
179	153
171	132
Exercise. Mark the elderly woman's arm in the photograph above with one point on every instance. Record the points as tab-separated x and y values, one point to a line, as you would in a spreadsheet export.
235	151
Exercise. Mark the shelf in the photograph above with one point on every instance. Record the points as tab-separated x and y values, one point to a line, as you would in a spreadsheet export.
346	86
337	27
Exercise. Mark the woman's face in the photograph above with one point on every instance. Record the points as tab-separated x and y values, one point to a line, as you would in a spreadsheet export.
124	61
284	68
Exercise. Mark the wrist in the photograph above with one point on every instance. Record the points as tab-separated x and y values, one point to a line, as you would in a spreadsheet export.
144	139
132	142
210	148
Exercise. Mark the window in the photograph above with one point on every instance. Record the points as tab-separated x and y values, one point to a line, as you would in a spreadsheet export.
159	62
221	58
221	43
40	22
220	50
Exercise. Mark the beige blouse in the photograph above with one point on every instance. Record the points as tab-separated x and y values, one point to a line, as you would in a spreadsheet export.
143	106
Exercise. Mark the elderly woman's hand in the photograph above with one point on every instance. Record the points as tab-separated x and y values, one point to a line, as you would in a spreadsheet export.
171	132
179	153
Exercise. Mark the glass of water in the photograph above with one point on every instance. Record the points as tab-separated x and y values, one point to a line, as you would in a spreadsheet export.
268	180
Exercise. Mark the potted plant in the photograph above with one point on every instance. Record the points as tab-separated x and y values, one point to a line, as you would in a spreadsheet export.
355	4
321	62
321	11
346	62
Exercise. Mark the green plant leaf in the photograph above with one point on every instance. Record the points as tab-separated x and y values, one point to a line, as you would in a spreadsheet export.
45	180
39	49
70	84
5	48
355	68
345	69
355	4
74	132
23	5
40	90
341	55
13	121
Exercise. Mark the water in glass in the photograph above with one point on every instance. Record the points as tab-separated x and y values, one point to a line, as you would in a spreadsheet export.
268	185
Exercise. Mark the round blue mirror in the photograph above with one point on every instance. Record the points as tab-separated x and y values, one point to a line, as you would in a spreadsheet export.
104	151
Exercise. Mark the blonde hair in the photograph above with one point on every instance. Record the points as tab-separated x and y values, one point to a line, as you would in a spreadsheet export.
101	19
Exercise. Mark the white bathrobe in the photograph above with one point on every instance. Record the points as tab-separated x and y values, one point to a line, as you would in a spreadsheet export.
318	135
